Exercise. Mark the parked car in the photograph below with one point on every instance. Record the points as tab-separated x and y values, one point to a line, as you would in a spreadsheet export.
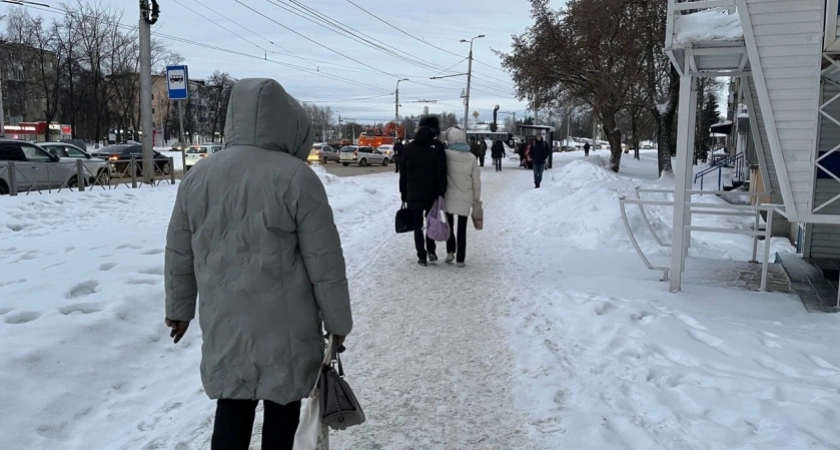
363	156
177	147
119	156
198	152
35	168
323	153
98	171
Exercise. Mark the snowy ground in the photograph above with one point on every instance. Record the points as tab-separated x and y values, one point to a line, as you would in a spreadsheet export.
554	336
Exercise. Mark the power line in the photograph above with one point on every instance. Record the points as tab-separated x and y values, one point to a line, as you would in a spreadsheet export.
423	41
306	12
233	52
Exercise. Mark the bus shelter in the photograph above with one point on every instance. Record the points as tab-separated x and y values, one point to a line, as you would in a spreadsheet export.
529	134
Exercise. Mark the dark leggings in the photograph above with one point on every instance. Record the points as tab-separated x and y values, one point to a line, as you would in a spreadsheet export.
235	420
457	244
423	244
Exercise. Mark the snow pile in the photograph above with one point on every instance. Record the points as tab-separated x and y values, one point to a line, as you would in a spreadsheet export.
705	26
609	359
87	363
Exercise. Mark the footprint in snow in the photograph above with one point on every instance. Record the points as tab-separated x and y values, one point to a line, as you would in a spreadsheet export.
21	317
131	246
5	310
80	308
83	289
107	266
10	282
154	251
643	317
604	308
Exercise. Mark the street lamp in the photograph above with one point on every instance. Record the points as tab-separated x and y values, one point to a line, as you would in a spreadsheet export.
397	101
469	80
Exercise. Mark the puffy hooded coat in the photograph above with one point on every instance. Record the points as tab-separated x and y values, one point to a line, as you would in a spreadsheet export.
253	235
463	174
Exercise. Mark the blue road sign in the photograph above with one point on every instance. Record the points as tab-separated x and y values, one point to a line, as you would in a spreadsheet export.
177	79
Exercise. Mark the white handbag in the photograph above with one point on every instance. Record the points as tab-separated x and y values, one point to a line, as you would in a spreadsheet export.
312	433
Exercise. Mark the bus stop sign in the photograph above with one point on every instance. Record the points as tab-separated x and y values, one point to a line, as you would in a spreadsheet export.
177	81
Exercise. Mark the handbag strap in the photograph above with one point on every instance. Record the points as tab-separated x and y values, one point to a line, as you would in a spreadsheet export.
327	359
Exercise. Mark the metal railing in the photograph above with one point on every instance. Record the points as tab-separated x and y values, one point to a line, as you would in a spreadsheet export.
83	179
722	209
738	162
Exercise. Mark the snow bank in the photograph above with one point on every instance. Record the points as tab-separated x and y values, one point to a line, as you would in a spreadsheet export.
705	26
608	358
86	359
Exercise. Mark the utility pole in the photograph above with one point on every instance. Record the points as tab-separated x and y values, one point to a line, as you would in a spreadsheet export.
469	82
2	112
397	102
148	15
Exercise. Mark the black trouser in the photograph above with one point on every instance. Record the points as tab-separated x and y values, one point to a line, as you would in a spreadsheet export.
481	160
235	419
396	166
457	243
498	163
423	244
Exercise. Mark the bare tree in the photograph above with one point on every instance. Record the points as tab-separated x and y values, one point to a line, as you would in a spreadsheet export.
586	50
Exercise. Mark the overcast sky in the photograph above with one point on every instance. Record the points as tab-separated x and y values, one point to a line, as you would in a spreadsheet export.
309	67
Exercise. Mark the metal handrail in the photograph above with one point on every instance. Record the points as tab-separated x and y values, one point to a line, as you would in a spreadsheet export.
709	208
738	160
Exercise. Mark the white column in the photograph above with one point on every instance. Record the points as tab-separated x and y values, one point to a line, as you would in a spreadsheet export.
684	157
689	178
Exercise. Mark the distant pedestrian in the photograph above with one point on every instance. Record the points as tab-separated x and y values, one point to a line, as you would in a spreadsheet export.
463	193
482	151
539	154
498	154
399	149
475	149
586	148
520	150
261	257
422	181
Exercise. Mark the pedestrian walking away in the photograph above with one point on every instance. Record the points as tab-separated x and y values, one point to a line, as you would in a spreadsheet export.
539	154
263	254
399	149
422	181
498	154
482	151
586	148
463	192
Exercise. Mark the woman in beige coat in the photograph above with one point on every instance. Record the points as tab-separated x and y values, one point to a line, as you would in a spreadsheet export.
463	192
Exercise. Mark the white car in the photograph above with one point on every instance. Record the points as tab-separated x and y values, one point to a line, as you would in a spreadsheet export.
97	171
387	150
35	168
196	153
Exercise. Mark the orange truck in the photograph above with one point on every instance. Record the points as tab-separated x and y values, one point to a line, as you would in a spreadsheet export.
375	136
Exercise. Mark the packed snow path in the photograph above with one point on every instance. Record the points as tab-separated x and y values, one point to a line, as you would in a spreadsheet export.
428	354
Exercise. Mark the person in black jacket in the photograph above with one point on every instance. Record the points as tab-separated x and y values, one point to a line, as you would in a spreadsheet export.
498	153
398	152
422	181
539	154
